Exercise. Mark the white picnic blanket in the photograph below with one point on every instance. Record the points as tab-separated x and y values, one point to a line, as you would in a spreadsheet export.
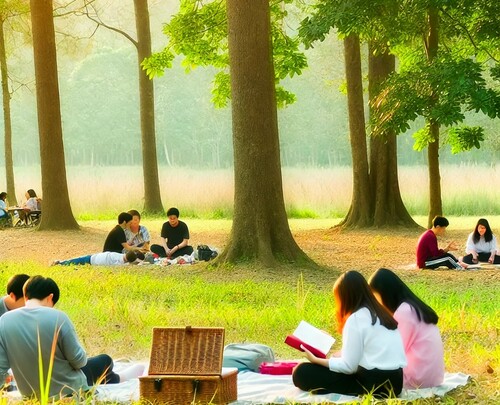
259	389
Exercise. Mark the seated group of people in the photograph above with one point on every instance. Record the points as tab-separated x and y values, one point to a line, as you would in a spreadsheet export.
390	341
129	241
29	327
32	203
481	246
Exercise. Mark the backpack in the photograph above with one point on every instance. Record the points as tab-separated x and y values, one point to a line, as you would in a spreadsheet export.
205	253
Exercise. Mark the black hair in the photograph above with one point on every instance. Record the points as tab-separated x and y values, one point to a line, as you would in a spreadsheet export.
15	285
134	213
39	287
31	193
3	195
394	292
440	221
351	293
173	211
131	256
124	216
488	235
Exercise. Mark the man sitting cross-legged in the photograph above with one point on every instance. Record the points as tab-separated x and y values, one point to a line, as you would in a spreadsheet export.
102	259
38	330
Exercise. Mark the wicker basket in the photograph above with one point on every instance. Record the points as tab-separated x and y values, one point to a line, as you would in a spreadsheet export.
185	368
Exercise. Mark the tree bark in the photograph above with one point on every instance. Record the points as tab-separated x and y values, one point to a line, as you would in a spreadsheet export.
57	212
435	201
360	213
152	197
389	209
260	228
9	161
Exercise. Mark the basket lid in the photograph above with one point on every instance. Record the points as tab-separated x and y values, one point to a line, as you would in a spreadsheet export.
186	351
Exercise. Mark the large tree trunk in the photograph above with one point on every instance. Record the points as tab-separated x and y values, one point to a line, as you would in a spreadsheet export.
360	213
57	212
389	210
435	202
260	228
152	198
9	162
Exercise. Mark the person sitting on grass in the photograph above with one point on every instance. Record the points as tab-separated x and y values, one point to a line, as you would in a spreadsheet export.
37	335
15	297
137	235
372	356
174	237
417	323
429	256
102	259
116	241
481	245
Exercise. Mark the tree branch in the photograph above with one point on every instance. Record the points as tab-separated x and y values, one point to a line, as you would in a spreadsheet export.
99	23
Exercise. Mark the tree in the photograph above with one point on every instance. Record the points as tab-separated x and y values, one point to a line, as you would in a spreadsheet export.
440	78
260	227
376	199
57	212
152	197
8	9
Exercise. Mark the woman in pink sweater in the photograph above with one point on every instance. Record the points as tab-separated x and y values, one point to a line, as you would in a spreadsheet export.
417	323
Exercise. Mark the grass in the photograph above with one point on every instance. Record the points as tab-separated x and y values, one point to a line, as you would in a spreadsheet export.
117	313
98	192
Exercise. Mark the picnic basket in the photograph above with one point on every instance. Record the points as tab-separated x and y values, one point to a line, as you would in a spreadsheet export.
186	368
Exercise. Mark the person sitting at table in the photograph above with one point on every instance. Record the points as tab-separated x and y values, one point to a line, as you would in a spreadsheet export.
137	235
33	203
3	205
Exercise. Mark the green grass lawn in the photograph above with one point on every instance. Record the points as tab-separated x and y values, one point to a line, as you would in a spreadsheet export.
114	309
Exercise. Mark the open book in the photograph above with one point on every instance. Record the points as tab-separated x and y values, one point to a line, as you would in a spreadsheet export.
313	339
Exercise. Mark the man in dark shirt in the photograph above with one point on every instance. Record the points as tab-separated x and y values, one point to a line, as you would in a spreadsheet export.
174	237
116	240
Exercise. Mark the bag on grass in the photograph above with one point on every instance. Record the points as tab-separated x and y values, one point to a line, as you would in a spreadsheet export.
247	356
206	253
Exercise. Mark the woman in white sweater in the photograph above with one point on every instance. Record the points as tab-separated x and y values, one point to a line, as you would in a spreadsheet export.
481	245
372	356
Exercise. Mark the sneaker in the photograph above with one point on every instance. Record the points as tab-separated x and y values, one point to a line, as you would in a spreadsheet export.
463	266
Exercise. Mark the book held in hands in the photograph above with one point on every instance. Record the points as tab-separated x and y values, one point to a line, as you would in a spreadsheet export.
313	339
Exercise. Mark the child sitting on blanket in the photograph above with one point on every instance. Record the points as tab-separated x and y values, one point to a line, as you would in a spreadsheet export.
372	356
417	323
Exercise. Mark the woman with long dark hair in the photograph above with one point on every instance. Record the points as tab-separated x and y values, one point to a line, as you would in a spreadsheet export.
372	356
417	323
481	245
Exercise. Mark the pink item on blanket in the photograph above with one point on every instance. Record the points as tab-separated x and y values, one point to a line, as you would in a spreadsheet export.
278	368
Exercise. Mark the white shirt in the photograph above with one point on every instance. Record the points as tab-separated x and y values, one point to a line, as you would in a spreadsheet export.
369	346
481	246
107	259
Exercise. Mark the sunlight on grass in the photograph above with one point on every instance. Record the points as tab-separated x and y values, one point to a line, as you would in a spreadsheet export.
308	192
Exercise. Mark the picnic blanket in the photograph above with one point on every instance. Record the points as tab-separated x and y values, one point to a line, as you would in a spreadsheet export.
255	388
259	389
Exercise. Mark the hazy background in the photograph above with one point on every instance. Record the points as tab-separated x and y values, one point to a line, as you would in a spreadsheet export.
100	112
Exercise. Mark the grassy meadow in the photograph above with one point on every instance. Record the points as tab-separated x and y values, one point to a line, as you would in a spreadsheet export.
114	309
99	192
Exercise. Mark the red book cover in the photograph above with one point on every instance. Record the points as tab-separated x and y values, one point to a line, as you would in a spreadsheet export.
316	341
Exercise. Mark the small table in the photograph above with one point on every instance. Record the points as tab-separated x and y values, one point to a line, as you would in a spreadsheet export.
16	210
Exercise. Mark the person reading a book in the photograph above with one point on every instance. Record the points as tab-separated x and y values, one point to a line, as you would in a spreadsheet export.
481	245
429	256
372	355
417	323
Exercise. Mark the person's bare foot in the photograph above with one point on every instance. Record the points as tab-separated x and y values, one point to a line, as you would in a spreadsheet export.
463	264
